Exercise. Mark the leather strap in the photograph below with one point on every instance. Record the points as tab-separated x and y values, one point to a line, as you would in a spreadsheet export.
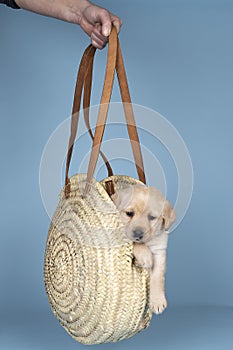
115	56
84	80
103	109
129	115
89	52
86	107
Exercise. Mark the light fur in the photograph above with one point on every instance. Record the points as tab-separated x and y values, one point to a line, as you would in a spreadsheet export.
147	216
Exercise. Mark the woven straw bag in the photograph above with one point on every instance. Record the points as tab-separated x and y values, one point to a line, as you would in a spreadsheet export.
93	285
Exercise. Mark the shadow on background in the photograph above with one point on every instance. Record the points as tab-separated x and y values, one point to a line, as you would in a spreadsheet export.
178	328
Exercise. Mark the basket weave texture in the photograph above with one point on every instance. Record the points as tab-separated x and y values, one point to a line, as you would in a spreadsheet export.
94	288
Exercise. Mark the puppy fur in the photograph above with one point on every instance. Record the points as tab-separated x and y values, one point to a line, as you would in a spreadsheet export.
147	216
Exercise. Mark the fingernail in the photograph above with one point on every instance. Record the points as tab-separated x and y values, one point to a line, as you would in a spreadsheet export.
106	31
117	27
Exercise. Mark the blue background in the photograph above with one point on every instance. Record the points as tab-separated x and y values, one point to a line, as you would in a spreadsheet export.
179	58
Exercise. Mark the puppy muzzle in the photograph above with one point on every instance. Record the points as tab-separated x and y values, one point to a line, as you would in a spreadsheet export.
138	234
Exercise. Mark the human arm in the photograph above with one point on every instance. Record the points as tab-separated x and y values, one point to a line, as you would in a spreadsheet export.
10	3
94	20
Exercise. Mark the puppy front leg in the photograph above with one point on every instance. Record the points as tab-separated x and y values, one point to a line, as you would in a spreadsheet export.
143	255
158	302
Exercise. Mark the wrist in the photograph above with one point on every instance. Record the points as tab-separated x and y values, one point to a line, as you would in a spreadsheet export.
78	9
82	5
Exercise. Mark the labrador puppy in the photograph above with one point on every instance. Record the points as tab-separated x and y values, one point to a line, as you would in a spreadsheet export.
147	216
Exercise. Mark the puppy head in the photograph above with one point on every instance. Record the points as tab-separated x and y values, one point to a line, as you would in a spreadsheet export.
144	211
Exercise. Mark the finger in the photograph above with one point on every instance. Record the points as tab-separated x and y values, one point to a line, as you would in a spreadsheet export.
98	43
117	22
97	33
106	23
87	27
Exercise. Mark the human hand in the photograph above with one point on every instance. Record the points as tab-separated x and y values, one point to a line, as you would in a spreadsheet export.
97	23
94	20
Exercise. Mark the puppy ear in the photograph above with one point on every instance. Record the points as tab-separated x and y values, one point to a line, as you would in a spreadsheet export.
116	198
169	215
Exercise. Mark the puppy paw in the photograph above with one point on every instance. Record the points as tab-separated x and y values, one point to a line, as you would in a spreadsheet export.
143	256
145	261
158	304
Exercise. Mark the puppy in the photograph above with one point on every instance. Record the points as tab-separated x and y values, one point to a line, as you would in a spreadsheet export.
147	216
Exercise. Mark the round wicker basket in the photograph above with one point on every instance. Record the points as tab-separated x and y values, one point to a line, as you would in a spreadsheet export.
94	288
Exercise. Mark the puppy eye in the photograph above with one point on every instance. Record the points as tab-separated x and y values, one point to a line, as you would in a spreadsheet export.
129	213
151	217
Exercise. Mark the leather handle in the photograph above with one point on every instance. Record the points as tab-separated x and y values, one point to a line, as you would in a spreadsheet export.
86	107
90	51
115	61
129	115
84	79
103	109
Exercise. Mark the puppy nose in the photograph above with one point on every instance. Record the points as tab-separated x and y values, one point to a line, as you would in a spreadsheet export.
138	234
